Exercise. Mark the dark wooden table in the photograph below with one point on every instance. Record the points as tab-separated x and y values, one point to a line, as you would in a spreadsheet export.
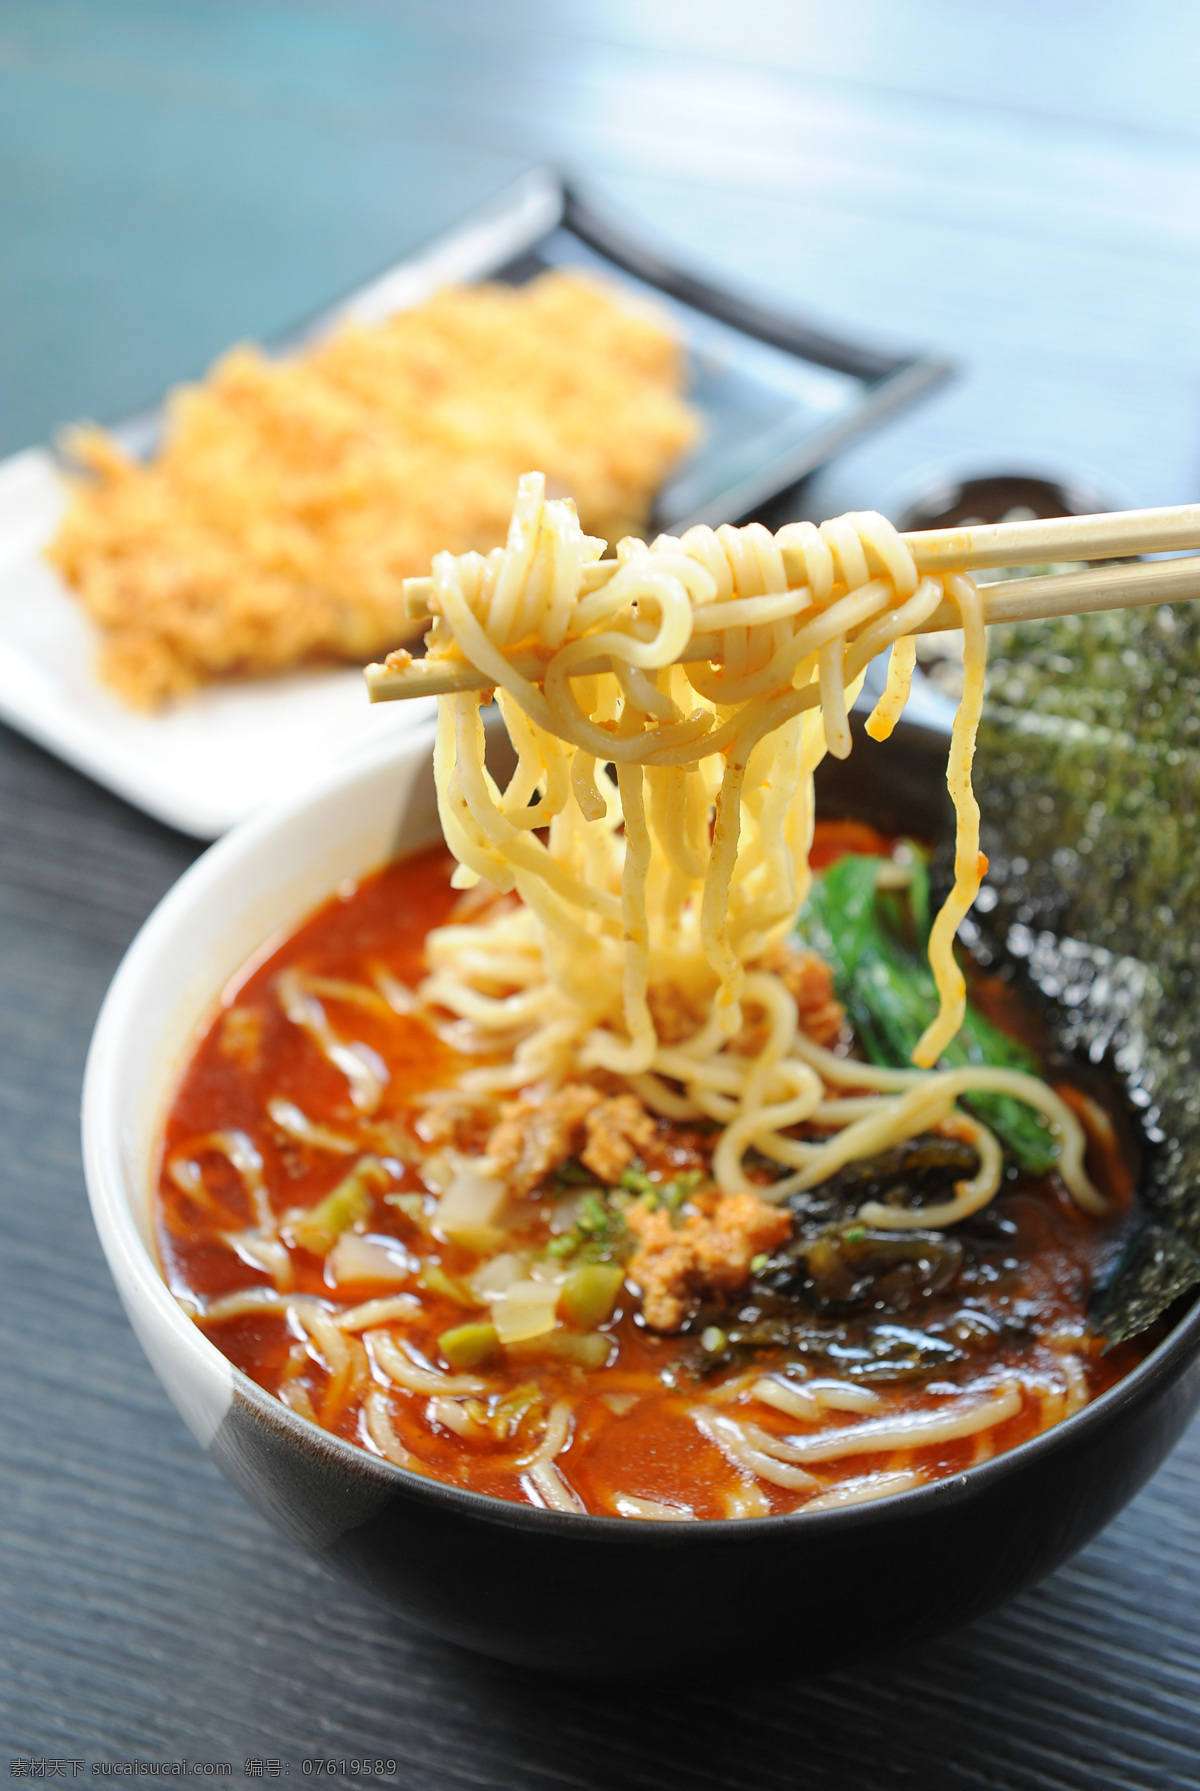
1019	186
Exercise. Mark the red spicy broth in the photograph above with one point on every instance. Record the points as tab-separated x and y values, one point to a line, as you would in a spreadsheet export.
984	1335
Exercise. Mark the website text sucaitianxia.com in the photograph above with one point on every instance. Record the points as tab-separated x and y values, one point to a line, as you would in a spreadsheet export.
265	1767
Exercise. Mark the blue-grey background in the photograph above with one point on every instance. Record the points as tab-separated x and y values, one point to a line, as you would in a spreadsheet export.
1017	185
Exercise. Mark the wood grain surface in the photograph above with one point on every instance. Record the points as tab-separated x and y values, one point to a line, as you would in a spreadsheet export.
1018	186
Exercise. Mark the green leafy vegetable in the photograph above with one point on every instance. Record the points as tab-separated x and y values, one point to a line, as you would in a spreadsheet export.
875	941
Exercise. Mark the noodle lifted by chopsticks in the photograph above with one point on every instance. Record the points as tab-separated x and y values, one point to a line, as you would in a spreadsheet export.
655	911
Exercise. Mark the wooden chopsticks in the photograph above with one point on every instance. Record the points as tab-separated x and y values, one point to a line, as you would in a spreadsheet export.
1114	535
983	545
1080	593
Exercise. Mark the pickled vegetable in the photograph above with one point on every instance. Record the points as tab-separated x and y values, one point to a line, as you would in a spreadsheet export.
466	1346
590	1292
348	1204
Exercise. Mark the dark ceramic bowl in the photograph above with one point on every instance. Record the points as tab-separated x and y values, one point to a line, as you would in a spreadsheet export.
572	1594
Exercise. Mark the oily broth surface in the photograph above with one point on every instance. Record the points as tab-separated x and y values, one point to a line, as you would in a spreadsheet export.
633	1429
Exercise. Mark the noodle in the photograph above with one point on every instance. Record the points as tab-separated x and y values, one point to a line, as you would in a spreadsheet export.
807	1402
361	1068
625	1505
871	1486
400	1371
259	1244
382	1432
736	1441
541	1469
712	673
963	1419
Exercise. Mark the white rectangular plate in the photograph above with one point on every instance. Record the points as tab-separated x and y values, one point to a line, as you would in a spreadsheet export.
200	765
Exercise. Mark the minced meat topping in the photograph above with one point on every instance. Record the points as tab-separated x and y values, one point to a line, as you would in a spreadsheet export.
708	1252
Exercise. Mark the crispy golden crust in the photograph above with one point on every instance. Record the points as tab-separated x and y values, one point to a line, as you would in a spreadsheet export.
291	499
707	1253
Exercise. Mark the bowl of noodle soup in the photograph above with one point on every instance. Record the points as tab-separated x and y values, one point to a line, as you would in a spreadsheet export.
527	1581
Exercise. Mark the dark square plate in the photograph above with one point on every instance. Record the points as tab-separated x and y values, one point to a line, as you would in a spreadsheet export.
778	396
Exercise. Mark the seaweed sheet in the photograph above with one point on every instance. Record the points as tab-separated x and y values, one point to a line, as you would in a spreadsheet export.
1088	774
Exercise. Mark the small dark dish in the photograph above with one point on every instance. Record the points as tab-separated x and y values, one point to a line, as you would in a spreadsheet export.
990	497
569	1594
